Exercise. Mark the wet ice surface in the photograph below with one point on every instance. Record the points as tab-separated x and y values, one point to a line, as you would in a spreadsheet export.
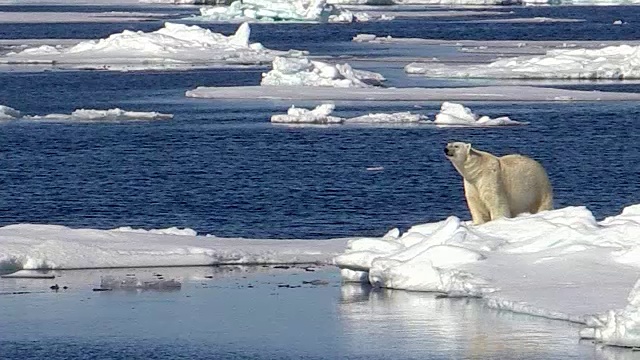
264	313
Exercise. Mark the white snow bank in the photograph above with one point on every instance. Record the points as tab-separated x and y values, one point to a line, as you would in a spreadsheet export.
8	113
282	10
296	71
560	264
480	93
451	114
173	46
90	115
322	115
27	246
457	114
612	62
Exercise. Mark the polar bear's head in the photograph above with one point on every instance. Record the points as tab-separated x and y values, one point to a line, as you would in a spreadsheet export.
457	152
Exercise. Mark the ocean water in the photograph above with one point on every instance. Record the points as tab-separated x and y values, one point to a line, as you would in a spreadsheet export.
247	313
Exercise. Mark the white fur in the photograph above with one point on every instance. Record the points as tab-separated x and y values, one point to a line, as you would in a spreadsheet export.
497	187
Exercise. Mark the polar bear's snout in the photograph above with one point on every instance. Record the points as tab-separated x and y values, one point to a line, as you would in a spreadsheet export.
448	151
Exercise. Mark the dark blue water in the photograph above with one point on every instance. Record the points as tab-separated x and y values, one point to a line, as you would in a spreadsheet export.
221	167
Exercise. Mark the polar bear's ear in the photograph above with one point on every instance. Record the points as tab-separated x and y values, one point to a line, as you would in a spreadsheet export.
467	147
471	151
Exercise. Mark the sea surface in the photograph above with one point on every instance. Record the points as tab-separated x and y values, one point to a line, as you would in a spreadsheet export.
220	167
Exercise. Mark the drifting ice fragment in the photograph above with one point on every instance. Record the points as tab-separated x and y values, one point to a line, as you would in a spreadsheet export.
132	282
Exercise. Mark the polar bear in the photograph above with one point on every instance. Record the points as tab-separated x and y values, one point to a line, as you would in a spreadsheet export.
498	187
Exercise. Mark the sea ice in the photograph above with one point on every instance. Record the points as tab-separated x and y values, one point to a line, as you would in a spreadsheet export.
8	113
300	70
459	115
282	10
612	62
322	115
560	264
173	46
30	246
110	282
90	115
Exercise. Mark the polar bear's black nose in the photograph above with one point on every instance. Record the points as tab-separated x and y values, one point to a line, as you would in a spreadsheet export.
446	151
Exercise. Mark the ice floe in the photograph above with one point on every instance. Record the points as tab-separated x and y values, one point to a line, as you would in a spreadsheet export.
301	71
85	115
8	113
172	46
30	246
322	115
458	114
611	62
481	93
451	114
283	10
560	264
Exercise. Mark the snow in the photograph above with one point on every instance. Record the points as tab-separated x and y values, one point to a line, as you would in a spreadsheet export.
481	93
30	246
322	115
611	62
300	70
457	114
560	264
172	46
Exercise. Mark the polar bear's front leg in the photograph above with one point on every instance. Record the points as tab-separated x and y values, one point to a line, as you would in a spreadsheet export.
479	213
494	198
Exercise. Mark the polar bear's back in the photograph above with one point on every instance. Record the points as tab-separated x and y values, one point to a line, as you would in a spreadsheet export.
526	183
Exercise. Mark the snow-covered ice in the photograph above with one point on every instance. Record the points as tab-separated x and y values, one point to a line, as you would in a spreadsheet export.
459	115
8	113
560	264
172	46
300	70
611	62
85	115
30	246
90	115
283	10
451	114
322	115
481	93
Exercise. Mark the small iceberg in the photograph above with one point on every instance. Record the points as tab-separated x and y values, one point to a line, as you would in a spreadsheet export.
452	114
91	115
172	46
301	71
322	115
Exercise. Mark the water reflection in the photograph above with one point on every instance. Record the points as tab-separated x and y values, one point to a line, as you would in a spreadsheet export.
454	328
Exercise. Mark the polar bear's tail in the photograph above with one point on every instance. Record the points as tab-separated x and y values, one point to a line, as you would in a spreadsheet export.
546	202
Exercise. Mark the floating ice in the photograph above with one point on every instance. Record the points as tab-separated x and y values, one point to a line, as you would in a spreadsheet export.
561	264
322	115
302	71
8	113
282	10
109	282
168	231
173	46
26	246
90	115
457	114
612	62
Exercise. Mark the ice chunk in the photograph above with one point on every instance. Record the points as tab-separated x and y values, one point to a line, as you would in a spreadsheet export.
305	72
282	10
319	115
611	62
91	115
168	231
322	115
7	113
172	46
457	114
134	283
